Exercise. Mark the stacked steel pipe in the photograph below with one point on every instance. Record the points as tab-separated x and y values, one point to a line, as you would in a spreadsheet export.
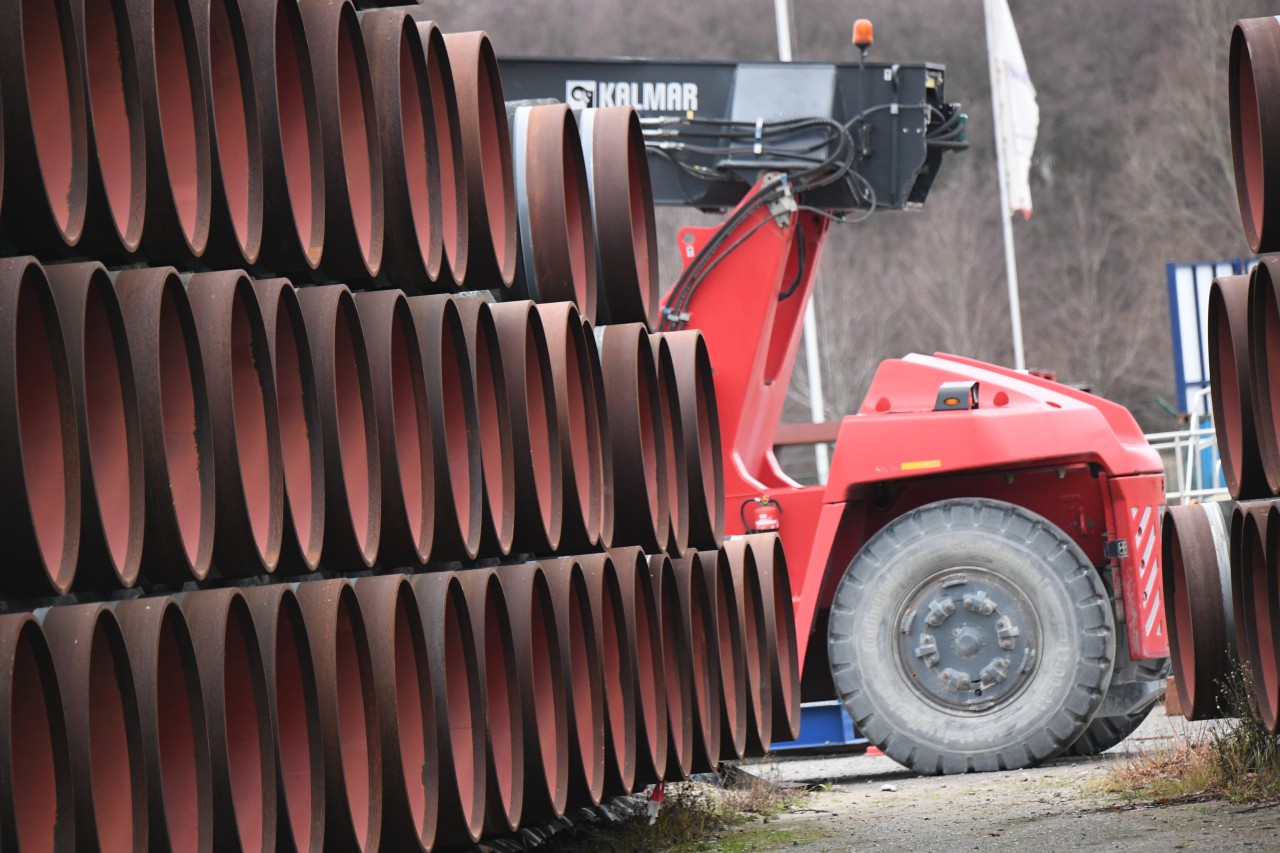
1222	561
306	550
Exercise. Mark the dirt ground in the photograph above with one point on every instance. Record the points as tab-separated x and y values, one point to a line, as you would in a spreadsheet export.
870	803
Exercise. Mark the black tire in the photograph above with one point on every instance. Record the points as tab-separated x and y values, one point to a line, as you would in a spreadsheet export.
1105	732
1026	595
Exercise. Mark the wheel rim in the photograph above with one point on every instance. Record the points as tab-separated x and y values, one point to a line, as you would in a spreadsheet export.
968	640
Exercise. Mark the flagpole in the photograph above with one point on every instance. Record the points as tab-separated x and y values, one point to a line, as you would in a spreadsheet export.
812	357
1006	221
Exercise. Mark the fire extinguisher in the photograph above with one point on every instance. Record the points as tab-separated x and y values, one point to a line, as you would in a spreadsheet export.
766	515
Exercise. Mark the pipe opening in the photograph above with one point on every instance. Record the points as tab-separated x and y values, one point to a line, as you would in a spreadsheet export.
353	734
297	127
49	100
539	426
414	132
176	69
499	674
110	768
295	398
248	361
356	154
176	733
108	45
407	389
457	441
31	739
231	126
353	435
178	408
243	728
105	419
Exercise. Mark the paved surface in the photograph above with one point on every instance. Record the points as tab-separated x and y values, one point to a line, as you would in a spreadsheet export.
871	803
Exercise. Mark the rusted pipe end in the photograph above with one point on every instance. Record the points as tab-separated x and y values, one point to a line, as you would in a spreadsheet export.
780	630
703	457
578	424
674	514
447	130
108	423
698	613
104	733
36	792
175	742
352	157
677	667
640	616
177	436
247	455
238	715
401	412
404	109
1253	72
751	610
543	698
297	409
456	692
495	425
1229	379
295	716
458	494
633	409
622	208
557	257
486	158
407	722
527	372
40	506
732	658
618	661
348	426
349	722
496	658
46	146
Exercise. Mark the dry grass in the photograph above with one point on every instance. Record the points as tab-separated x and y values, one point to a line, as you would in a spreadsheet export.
1237	759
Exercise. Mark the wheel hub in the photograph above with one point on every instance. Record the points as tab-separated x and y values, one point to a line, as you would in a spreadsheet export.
967	639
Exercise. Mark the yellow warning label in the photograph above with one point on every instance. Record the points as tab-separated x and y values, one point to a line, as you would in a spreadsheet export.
922	465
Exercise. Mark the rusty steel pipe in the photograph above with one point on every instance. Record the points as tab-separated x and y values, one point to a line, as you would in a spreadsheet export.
456	489
1264	365
731	659
644	635
1253	73
702	460
288	119
348	427
177	437
108	424
405	111
350	731
1195	545
36	789
447	130
175	741
556	261
605	500
1259	651
116	202
351	155
223	45
40	505
617	169
535	428
751	615
618	662
500	699
406	715
1266	607
633	409
675	451
486	160
297	410
495	427
241	743
247	454
175	130
404	428
456	693
543	699
103	730
780	633
698	614
46	135
1229	378
583	677
577	409
294	715
677	668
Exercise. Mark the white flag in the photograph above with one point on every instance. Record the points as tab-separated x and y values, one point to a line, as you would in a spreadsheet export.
1014	100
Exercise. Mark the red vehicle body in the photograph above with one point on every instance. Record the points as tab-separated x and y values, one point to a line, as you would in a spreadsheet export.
1074	458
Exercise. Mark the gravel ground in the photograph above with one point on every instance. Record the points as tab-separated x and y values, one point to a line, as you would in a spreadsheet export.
871	803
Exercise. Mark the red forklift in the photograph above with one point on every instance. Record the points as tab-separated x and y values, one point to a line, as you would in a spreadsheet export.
977	583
